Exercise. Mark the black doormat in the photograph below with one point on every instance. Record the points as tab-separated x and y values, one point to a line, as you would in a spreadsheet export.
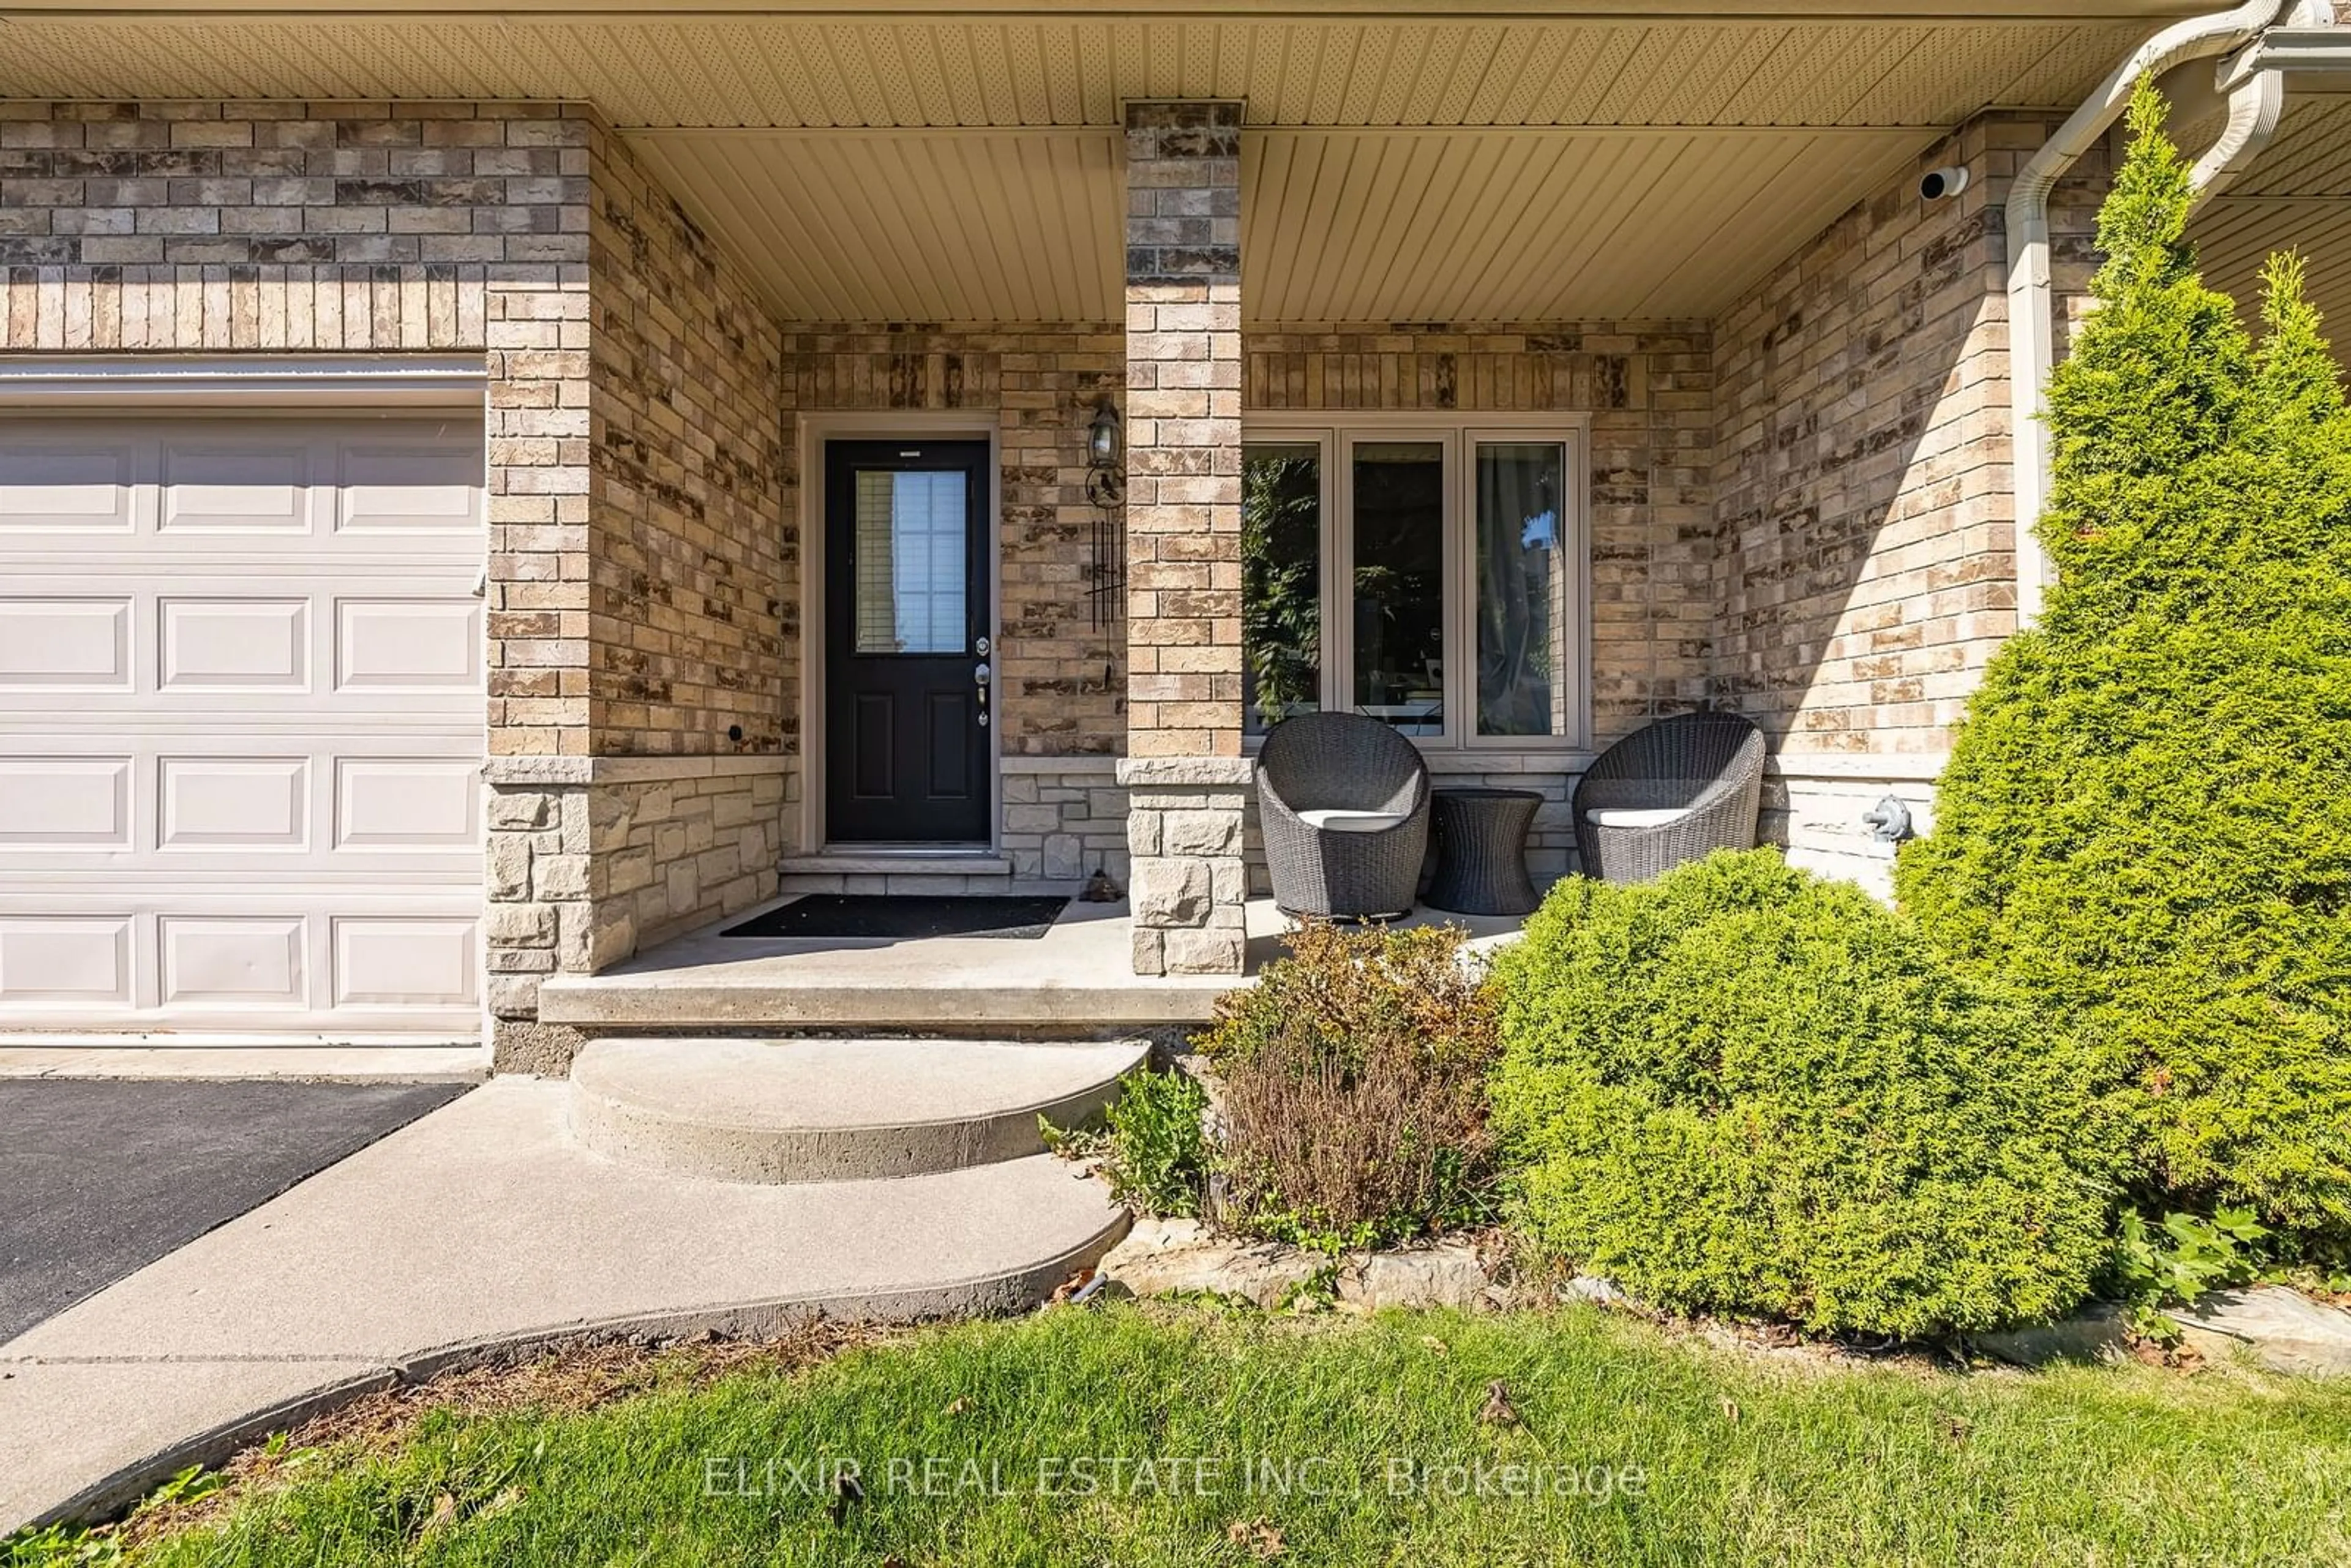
903	917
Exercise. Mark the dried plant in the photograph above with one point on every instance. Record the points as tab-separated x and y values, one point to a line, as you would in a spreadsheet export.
1354	1105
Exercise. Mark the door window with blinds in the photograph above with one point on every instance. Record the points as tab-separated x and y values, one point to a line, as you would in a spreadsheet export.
912	576
1431	576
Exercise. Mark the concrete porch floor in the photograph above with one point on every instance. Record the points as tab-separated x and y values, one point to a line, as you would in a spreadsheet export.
1076	976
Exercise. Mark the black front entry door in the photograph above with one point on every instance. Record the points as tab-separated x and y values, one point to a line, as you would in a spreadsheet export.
907	549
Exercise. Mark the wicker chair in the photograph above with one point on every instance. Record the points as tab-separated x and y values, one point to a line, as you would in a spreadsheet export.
1344	803
1674	792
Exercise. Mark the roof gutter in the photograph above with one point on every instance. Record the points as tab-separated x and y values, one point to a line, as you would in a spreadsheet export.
2255	100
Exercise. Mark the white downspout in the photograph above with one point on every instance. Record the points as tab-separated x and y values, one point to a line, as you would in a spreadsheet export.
2255	105
2253	108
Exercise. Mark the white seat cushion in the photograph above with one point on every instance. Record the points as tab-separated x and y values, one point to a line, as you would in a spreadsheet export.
1336	821
1636	817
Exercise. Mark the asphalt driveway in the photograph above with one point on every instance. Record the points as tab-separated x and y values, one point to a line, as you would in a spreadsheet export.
100	1177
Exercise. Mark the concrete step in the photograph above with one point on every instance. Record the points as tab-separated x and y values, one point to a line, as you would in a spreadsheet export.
745	1110
1079	975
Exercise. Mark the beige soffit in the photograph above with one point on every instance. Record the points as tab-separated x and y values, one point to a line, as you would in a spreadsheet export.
1337	225
707	69
2296	196
1536	225
956	225
1910	11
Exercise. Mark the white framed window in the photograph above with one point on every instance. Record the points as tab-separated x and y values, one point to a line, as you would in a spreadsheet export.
1431	573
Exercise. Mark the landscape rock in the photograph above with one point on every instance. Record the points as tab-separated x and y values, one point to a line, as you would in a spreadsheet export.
1447	1275
2288	1332
2100	1332
1592	1287
1162	1257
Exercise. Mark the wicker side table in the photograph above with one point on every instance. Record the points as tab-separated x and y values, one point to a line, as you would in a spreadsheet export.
1481	851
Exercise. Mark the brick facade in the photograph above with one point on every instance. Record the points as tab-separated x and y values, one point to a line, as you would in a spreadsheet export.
678	817
1060	677
1867	567
1799	509
688	565
1184	429
1184	819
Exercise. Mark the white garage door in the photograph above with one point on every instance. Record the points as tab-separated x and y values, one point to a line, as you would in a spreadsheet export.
241	724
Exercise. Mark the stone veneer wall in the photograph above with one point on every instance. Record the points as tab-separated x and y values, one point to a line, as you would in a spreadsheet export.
1866	568
587	865
1064	818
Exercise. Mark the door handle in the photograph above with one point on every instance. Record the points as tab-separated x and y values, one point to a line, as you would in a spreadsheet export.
981	676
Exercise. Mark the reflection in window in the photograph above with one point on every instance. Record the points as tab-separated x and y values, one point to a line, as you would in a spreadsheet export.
1281	583
1522	616
1399	588
910	568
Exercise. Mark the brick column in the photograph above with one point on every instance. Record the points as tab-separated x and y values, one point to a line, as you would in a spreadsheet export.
1189	782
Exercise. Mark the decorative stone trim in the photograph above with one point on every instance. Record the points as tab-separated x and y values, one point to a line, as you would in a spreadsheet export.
625	770
1922	767
1189	849
1187	772
583	873
1104	767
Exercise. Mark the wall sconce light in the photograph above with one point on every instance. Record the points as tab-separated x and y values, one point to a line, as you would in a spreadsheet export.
1105	455
1106	488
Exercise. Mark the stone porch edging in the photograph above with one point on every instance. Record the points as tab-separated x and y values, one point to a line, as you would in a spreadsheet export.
591	858
527	770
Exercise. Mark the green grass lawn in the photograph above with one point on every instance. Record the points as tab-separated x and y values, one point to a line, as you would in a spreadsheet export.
1636	1448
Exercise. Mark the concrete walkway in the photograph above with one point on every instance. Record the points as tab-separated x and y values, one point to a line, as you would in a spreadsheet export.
105	1175
484	1225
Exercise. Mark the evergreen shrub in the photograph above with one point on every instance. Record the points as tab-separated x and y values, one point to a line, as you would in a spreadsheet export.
1745	1089
2145	823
